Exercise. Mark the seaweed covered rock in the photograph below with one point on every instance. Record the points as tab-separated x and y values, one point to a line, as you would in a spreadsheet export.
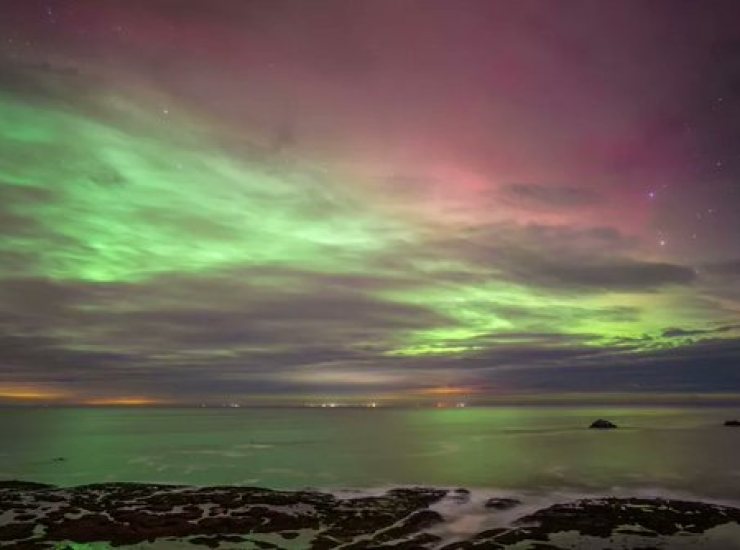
44	516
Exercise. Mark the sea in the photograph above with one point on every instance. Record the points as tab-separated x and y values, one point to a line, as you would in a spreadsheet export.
537	455
534	450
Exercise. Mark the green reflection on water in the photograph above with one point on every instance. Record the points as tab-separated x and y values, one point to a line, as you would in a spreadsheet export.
506	447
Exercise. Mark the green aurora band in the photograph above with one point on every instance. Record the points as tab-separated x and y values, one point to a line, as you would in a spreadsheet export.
501	313
97	202
106	204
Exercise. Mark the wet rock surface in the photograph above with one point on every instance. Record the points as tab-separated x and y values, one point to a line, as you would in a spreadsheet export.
646	519
42	516
130	513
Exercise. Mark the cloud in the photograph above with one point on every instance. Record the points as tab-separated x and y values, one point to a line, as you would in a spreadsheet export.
730	268
676	332
708	366
592	258
623	274
550	196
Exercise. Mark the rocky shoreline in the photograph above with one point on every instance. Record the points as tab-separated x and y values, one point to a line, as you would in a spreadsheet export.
34	516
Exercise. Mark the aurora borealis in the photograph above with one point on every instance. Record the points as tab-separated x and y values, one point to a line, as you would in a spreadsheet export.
270	200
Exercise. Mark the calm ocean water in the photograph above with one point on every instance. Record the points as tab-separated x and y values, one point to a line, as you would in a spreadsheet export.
545	449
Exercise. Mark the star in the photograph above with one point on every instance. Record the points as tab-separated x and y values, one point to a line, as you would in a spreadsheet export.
50	14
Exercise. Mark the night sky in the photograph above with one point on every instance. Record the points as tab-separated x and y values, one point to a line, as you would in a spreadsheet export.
287	201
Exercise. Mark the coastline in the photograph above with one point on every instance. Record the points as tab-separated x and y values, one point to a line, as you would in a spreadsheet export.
145	515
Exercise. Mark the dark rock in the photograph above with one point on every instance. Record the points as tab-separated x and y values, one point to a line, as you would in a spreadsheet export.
132	513
323	542
502	503
92	528
129	514
275	522
481	540
224	524
602	424
24	485
14	531
490	533
471	544
604	517
422	519
733	423
421	541
627	531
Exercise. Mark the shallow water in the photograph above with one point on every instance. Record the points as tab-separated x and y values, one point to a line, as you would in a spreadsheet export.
683	452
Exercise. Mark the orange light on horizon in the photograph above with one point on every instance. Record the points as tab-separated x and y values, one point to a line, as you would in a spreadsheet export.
29	394
123	401
447	390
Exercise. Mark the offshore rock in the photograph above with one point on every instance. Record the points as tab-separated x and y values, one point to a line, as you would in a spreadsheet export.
602	424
